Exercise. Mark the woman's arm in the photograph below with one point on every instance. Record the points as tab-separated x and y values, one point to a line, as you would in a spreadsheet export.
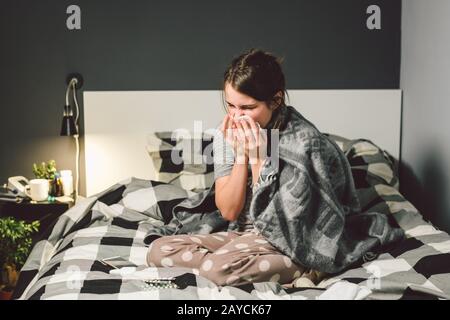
231	192
256	169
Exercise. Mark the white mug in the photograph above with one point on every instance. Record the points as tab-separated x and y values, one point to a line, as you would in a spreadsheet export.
39	189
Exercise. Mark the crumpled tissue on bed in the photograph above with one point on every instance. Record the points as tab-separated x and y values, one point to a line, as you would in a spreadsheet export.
344	290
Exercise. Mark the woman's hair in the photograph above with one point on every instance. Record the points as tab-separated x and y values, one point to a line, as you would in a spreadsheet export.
258	74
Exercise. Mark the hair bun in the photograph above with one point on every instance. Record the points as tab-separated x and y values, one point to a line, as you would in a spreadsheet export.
258	74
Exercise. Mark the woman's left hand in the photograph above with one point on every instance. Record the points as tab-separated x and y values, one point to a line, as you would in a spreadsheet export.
253	138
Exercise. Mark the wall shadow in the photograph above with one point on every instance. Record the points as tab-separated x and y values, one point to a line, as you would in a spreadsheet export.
430	195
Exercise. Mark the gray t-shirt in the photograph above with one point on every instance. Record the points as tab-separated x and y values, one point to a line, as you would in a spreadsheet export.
223	165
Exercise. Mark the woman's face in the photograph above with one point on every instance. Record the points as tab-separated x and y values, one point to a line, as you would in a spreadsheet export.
239	104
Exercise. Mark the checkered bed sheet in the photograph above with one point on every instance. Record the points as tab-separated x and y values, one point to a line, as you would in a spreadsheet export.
66	265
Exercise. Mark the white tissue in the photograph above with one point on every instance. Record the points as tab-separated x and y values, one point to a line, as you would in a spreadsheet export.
344	290
245	117
241	117
123	270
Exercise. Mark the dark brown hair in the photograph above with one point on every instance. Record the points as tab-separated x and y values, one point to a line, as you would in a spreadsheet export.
258	74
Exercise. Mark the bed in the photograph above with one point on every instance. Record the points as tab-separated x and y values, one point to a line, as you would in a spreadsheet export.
115	217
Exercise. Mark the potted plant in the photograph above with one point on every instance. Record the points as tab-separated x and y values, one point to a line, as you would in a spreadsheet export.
47	170
15	245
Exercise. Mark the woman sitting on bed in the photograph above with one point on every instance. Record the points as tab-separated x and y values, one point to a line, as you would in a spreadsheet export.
256	248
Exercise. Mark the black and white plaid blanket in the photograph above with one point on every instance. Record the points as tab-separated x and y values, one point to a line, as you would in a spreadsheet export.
114	223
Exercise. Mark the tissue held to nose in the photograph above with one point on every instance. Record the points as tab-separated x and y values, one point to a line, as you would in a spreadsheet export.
237	118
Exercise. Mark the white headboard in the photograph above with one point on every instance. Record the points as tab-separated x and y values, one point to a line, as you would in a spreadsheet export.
117	123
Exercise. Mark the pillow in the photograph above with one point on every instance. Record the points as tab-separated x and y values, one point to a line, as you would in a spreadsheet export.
152	198
182	158
375	173
364	155
343	143
378	165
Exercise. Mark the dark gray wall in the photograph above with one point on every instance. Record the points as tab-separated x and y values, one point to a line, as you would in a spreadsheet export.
173	45
425	79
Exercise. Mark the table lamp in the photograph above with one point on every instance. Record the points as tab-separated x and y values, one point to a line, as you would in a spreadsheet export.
69	125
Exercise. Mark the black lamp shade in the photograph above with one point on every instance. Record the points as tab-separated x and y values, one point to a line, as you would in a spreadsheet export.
68	127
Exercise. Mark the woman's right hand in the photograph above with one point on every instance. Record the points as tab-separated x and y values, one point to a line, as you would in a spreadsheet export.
227	123
230	133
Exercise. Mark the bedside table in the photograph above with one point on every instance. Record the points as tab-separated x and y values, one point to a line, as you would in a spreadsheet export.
45	212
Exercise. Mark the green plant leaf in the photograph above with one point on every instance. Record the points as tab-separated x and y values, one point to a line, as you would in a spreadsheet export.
15	240
45	170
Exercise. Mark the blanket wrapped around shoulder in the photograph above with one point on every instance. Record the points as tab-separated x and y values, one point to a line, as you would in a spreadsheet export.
304	203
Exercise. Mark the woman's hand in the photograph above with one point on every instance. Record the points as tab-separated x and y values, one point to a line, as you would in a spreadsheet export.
230	133
253	138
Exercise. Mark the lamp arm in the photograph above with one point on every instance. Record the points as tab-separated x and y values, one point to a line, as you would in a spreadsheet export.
71	84
76	140
77	168
75	100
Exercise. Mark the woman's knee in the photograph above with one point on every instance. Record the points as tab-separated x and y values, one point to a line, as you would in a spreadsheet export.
218	271
158	250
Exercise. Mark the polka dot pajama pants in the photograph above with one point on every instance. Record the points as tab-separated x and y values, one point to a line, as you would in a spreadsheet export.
226	258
